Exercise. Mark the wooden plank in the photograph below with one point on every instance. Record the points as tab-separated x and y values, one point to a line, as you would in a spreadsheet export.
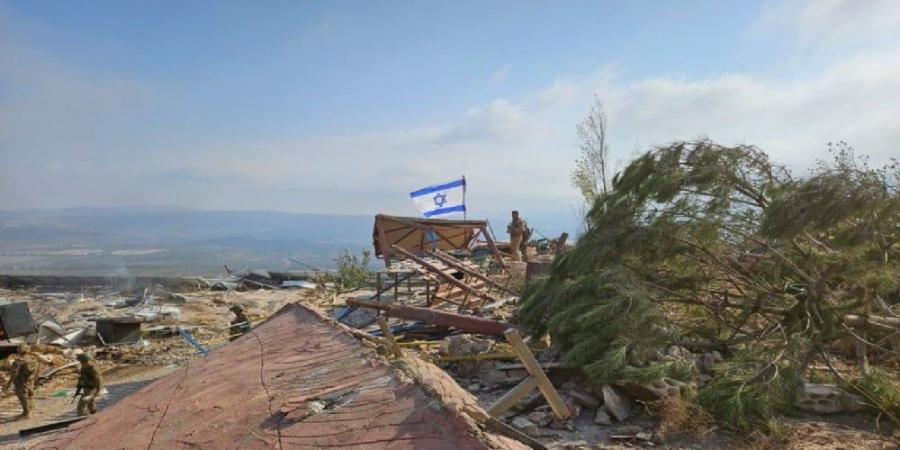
512	397
382	244
531	365
493	246
472	324
389	338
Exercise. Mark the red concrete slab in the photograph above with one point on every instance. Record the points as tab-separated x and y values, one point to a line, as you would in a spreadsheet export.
267	390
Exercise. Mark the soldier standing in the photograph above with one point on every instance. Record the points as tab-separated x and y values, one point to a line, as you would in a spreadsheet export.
89	384
22	375
240	325
519	233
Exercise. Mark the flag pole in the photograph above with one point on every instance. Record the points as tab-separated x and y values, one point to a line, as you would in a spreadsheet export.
465	209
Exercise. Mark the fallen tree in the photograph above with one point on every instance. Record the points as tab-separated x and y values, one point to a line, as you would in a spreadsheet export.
707	247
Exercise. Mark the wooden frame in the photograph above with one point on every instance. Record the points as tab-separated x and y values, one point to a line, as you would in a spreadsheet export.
412	234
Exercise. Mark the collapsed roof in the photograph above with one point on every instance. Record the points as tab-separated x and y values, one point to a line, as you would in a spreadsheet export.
297	381
418	235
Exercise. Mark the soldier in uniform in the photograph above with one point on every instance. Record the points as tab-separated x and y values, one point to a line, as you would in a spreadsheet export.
240	325
22	375
519	233
89	384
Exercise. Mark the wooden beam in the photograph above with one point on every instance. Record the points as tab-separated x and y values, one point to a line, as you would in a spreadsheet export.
512	397
382	244
471	324
493	246
534	369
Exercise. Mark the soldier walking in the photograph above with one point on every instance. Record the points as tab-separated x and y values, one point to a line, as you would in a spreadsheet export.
240	325
89	385
23	377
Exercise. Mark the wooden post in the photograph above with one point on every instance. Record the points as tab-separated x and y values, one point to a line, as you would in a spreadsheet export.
396	287
512	397
534	369
378	285
389	338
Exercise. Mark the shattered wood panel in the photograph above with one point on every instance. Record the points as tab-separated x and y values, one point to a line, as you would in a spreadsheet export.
419	235
296	381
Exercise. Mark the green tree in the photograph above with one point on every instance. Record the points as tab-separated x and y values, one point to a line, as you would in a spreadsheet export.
352	270
714	247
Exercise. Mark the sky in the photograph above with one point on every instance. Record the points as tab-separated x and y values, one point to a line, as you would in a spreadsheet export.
347	106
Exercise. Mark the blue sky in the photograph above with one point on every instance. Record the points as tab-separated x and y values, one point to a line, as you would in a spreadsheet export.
345	107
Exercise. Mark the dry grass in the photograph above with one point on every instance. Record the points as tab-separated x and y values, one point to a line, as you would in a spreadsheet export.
679	418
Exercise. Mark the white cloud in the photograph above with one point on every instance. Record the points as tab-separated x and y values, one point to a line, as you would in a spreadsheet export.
817	24
516	152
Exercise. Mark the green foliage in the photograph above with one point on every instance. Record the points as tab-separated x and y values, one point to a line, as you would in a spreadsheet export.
352	270
749	395
879	387
718	247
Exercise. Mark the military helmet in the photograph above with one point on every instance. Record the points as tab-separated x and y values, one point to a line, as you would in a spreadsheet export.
83	357
236	308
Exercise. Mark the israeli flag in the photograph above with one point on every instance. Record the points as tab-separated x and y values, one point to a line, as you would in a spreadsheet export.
441	199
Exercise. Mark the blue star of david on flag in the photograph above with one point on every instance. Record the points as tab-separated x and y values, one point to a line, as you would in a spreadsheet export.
441	199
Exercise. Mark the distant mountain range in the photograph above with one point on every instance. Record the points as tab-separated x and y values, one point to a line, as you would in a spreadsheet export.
168	241
181	242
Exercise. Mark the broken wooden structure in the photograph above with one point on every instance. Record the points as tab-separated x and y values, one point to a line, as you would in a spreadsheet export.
536	379
418	236
296	381
454	281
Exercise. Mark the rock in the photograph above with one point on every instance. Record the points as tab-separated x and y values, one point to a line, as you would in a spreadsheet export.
573	406
619	406
488	373
541	418
702	379
557	424
826	399
629	430
679	353
584	398
465	344
706	362
526	426
602	417
657	390
474	387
